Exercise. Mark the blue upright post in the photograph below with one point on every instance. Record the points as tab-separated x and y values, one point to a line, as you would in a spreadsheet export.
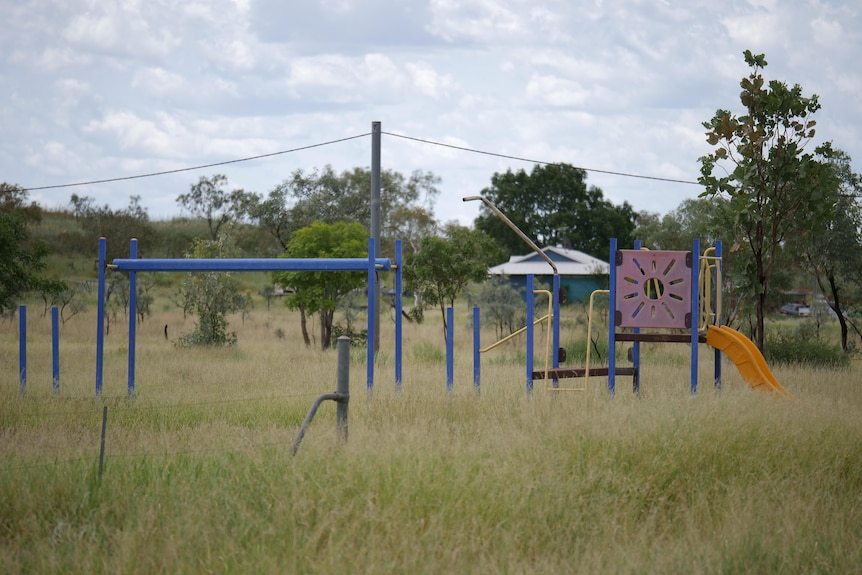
55	349
477	361
22	349
529	334
450	349
695	310
555	326
133	315
100	316
372	313
718	270
399	306
612	313
636	350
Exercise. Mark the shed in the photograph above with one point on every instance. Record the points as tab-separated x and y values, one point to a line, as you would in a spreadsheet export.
580	273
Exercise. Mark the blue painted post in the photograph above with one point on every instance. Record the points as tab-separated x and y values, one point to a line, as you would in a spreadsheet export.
555	326
133	315
477	362
399	309
717	357
55	349
22	349
372	313
636	349
529	333
695	310
450	349
100	316
612	328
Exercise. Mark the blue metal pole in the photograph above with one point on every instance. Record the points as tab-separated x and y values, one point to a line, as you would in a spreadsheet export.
450	349
477	361
22	349
719	252
133	315
252	264
530	330
636	349
555	326
399	307
372	313
695	310
612	319
55	349
100	316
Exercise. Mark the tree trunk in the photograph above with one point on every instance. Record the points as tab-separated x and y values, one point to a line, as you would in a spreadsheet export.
325	329
304	324
836	307
761	306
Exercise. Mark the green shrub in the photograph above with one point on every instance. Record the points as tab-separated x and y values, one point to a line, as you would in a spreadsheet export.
803	346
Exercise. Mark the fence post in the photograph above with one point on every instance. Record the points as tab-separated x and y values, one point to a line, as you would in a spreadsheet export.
22	349
342	387
55	349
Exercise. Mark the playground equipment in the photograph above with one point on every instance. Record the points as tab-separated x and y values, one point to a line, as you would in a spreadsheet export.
132	265
649	291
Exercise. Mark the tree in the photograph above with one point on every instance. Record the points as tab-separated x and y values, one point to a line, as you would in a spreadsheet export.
21	258
554	206
118	226
406	203
834	255
700	218
211	295
774	188
443	266
208	199
320	292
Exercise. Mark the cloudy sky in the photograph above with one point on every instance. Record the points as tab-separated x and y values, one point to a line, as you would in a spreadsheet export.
97	89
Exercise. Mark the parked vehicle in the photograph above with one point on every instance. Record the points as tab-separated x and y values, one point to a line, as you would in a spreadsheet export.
795	309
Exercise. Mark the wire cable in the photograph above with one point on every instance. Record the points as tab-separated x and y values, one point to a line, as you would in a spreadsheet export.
522	159
178	170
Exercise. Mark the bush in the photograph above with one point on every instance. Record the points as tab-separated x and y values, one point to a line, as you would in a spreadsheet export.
803	346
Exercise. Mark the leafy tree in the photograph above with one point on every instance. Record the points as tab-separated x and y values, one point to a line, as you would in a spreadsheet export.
443	266
118	226
327	196
320	292
211	295
774	188
553	205
209	200
502	305
702	218
21	257
834	254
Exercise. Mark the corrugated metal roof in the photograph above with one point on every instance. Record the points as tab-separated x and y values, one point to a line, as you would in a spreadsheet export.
568	262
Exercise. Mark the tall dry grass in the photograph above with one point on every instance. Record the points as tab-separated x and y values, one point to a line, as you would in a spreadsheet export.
199	476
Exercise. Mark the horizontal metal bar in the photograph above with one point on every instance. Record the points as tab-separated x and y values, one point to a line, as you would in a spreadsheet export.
565	372
249	265
659	337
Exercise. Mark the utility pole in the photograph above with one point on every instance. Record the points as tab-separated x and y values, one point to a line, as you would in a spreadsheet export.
375	217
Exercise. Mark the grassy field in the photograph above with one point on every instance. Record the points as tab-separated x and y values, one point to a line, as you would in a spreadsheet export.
199	476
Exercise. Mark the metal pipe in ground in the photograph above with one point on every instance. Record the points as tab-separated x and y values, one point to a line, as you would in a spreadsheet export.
341	396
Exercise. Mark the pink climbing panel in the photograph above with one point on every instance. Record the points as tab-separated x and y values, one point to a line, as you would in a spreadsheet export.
653	289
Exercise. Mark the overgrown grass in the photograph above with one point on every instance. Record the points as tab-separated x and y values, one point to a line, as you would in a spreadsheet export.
199	475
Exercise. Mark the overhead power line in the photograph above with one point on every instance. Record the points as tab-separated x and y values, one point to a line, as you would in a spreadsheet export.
522	159
330	142
178	170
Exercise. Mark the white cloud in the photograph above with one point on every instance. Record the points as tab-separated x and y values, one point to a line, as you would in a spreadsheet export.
95	89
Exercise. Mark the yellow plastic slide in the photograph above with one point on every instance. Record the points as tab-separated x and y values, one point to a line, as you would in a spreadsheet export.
748	359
